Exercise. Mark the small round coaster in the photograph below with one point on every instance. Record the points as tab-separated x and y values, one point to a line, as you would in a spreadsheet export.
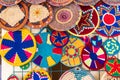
112	2
40	15
88	23
39	74
59	39
35	1
72	51
25	67
93	57
47	55
59	2
112	67
77	73
18	48
13	77
106	76
111	46
65	17
9	2
19	16
86	2
109	20
96	41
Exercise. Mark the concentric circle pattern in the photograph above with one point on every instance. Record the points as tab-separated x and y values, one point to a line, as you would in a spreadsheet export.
9	2
112	2
59	2
86	2
65	17
35	1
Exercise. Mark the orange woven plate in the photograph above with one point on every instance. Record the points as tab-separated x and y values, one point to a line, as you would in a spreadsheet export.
18	25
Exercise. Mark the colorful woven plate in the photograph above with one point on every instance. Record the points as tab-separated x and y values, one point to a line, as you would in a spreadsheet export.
65	17
59	2
76	73
16	14
35	1
112	2
72	51
59	39
108	77
109	20
47	55
111	46
13	77
18	48
112	67
86	2
25	67
40	15
39	74
96	41
9	2
93	57
88	22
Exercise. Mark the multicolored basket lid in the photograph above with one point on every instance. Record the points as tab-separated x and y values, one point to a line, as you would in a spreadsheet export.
37	74
35	1
86	2
111	46
13	77
71	55
59	38
106	76
25	67
65	17
18	48
112	2
96	41
9	2
112	67
47	55
88	23
13	18
59	2
40	15
93	57
77	73
109	20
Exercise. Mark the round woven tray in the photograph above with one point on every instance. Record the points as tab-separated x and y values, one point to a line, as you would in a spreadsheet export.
18	25
9	2
45	21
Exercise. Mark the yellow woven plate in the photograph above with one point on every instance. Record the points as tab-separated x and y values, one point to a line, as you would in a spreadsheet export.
18	48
